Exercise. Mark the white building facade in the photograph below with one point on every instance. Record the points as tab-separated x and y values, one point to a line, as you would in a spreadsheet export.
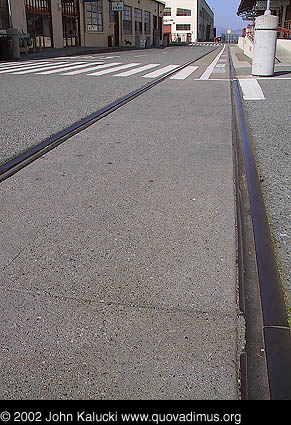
188	21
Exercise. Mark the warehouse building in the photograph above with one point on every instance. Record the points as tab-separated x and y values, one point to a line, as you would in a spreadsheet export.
188	21
101	23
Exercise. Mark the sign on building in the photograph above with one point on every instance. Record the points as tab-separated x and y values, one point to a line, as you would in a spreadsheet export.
117	6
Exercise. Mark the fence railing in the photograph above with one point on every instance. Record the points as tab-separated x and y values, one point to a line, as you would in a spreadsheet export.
177	38
284	31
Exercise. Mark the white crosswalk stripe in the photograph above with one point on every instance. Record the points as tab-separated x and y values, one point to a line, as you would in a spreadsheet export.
161	71
137	70
23	67
184	73
67	67
91	68
16	65
108	71
43	68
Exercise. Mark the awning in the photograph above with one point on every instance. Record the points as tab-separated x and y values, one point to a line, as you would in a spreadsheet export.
245	6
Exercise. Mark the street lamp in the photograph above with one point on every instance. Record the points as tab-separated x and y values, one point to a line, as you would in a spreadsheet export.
268	10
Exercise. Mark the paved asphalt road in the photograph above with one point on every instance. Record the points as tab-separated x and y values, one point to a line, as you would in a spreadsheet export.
34	107
119	247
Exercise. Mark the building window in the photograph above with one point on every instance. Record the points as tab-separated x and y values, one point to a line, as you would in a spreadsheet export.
127	20
94	14
147	22
183	27
37	5
138	21
70	7
167	11
39	22
183	12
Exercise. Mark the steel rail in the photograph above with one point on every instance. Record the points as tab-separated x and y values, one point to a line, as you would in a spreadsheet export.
275	329
20	161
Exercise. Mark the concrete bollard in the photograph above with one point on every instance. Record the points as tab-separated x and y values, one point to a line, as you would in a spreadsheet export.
265	45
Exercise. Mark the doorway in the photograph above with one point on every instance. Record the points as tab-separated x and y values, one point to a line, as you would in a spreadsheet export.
71	22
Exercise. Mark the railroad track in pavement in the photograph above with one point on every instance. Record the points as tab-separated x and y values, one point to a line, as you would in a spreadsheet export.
261	299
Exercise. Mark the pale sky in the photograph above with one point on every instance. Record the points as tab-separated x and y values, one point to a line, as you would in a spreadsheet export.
225	13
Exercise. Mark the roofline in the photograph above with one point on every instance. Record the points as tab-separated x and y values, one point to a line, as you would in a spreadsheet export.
209	7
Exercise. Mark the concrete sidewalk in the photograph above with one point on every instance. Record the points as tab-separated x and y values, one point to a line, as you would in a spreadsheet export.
119	257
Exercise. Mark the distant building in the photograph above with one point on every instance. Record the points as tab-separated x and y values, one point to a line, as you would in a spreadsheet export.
229	38
65	23
188	21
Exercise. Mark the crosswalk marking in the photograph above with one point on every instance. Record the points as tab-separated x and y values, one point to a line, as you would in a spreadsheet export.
22	67
211	67
90	68
137	70
16	65
42	68
98	67
184	73
219	68
22	63
67	67
161	71
108	71
251	89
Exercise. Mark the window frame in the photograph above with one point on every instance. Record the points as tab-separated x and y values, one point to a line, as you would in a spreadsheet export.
147	22
94	16
183	12
185	27
137	23
167	11
127	20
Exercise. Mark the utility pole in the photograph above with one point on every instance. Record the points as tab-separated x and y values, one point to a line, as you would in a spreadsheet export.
9	14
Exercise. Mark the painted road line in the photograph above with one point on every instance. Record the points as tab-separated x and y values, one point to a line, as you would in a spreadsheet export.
19	68
160	71
12	63
91	68
251	89
215	79
108	71
219	69
23	69
273	78
16	65
137	70
68	67
211	67
43	68
184	73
